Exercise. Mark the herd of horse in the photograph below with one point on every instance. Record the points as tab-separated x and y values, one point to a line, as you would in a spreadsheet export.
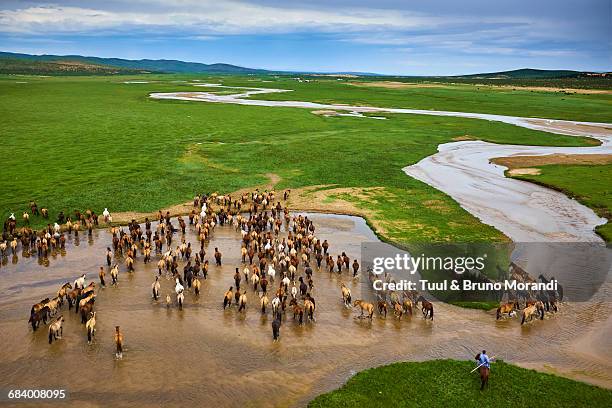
277	269
535	304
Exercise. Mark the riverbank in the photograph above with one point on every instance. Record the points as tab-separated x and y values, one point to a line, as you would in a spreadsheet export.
583	178
450	383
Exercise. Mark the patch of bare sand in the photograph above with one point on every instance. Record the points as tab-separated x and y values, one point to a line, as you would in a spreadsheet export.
462	138
408	85
523	163
324	112
524	172
549	89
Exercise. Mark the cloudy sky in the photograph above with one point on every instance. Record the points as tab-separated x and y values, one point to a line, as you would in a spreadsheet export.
411	37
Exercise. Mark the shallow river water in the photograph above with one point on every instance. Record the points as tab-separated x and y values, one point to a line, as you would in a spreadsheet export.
207	356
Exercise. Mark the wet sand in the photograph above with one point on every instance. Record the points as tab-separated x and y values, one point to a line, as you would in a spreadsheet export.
206	356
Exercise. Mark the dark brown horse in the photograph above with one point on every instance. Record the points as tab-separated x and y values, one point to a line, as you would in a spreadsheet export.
39	315
484	374
426	307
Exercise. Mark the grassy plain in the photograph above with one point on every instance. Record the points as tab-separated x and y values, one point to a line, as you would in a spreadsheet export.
449	383
93	142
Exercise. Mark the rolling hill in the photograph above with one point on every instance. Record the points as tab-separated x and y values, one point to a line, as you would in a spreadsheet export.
144	65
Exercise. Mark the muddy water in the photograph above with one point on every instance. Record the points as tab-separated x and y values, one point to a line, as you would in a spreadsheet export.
205	355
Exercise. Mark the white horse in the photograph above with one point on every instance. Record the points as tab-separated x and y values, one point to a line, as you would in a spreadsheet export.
178	288
106	215
79	283
276	302
294	291
286	281
56	227
271	272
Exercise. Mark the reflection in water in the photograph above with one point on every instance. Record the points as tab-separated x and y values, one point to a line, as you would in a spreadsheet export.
206	355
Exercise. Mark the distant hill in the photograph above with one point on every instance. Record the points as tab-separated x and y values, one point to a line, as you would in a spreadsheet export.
132	66
34	67
528	73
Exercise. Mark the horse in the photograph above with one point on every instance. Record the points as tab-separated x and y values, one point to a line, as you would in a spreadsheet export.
346	295
309	309
426	307
242	302
72	297
180	299
559	287
63	291
91	327
79	282
196	286
398	310
298	311
39	315
155	288
365	307
85	300
168	301
56	330
263	302
407	305
54	305
39	305
118	342
227	298
484	374
276	324
508	308
276	304
531	310
114	273
382	308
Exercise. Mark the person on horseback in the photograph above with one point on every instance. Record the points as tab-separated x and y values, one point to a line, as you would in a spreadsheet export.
484	360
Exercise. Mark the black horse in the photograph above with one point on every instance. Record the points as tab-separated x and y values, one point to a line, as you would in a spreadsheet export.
276	324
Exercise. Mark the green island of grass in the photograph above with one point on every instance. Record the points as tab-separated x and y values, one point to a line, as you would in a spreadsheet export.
449	383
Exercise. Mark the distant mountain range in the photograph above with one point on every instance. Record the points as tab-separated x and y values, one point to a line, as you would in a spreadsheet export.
528	73
120	66
14	63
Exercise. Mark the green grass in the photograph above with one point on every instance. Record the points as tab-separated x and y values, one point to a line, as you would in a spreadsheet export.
93	142
477	305
457	97
448	383
590	185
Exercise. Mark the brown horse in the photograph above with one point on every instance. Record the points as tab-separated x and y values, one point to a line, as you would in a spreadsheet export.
382	308
507	308
426	307
365	307
398	310
484	374
118	342
298	311
531	310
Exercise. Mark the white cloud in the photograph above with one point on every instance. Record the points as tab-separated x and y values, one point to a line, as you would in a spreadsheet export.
207	18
